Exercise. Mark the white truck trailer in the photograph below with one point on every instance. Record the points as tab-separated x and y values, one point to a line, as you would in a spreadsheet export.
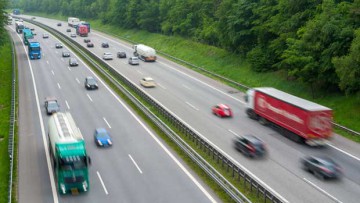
144	52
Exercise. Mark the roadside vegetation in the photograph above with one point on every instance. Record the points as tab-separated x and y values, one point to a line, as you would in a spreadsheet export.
5	99
346	107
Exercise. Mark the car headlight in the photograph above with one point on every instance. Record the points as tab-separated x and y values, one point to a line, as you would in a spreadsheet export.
88	85
100	143
109	142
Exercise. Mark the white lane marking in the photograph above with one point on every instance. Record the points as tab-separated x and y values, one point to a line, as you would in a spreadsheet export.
59	86
347	153
51	174
192	178
47	62
140	72
77	80
135	164
107	123
89	97
102	183
62	59
52	72
67	104
56	52
233	132
321	190
160	85
69	68
187	87
192	106
204	83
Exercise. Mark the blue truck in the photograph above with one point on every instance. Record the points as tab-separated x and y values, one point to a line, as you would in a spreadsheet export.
34	50
27	34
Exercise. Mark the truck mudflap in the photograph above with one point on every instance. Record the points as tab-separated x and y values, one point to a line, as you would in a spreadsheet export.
317	142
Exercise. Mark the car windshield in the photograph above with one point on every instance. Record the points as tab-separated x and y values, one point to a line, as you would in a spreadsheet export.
102	135
91	81
52	104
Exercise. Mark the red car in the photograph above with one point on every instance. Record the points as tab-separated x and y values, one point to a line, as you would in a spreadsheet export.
222	110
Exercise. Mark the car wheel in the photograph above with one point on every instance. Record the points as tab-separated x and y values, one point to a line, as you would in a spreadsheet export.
319	176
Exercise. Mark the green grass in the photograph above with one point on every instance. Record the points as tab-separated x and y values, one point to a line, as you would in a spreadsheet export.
5	98
346	108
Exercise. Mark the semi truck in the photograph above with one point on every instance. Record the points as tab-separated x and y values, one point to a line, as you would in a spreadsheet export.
34	50
296	118
82	30
27	34
68	154
85	23
19	26
73	22
144	52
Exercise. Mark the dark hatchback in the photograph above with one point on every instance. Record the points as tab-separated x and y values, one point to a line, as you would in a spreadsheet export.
121	54
51	105
105	45
250	146
91	83
322	167
73	62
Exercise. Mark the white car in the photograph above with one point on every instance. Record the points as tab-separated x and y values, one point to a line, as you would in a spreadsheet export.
147	82
134	60
107	56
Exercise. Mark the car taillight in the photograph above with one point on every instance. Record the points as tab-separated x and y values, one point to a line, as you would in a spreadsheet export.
325	169
250	148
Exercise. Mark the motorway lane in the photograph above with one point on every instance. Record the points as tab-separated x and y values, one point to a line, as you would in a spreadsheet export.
118	170
285	166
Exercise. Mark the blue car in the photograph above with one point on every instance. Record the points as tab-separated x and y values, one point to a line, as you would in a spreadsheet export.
102	138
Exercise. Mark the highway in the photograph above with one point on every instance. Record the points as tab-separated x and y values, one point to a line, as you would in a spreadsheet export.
137	168
190	96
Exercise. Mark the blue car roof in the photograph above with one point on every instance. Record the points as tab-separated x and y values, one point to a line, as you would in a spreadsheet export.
101	130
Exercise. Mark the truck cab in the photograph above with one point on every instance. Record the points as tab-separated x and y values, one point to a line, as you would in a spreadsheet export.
34	50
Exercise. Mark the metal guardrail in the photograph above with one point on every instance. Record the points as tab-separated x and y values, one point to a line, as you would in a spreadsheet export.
222	161
348	130
12	123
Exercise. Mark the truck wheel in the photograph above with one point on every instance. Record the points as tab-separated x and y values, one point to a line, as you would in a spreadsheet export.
263	121
251	114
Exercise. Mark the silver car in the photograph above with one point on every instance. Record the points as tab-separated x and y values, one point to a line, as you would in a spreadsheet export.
134	60
107	56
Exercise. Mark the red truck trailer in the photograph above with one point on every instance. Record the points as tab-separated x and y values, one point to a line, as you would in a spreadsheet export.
82	30
296	118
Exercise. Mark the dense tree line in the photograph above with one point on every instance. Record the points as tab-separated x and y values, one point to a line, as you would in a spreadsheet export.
315	41
3	20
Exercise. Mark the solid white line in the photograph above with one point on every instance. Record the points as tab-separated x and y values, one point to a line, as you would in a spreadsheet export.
321	190
52	72
233	132
206	193
187	87
89	97
106	122
102	183
161	86
135	164
77	80
140	72
192	106
59	86
67	104
46	148
347	153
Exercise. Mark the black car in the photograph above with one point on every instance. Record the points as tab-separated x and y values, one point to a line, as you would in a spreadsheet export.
59	24
73	62
89	44
86	40
105	45
91	83
51	105
68	30
322	167
250	146
121	54
58	45
65	54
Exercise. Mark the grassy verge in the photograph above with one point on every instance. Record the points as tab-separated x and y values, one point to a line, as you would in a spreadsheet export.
346	108
5	99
